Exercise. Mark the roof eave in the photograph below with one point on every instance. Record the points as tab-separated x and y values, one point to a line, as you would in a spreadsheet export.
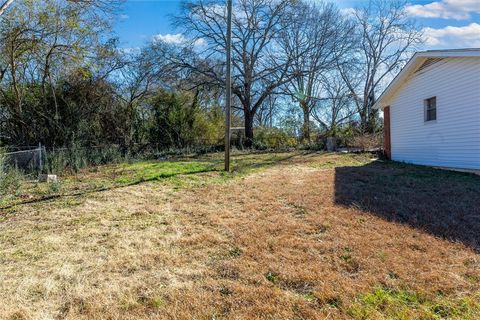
397	81
414	62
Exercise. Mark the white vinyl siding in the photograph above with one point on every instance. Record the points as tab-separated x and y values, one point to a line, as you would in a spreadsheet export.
453	139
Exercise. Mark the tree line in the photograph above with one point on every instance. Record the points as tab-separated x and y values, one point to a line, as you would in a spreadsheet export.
302	67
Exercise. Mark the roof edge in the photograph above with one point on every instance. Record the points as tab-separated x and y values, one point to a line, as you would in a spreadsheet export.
415	60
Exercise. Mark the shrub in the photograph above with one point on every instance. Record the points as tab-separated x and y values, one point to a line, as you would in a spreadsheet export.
56	161
77	157
104	155
312	145
367	141
345	135
72	160
10	177
273	138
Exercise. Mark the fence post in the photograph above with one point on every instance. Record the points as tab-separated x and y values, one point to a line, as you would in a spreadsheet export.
40	164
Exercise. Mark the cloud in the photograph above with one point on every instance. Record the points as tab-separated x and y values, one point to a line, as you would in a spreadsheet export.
124	17
453	37
132	50
178	39
170	38
348	11
445	9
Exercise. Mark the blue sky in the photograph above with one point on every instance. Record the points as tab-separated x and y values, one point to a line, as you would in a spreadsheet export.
143	19
446	23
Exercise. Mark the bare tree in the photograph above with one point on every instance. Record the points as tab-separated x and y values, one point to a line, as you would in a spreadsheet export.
336	105
317	35
135	81
5	6
257	67
267	112
385	36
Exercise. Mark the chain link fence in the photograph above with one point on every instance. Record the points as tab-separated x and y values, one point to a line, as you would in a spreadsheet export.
27	158
55	160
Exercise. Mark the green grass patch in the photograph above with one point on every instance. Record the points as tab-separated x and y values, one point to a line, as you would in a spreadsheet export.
234	252
149	171
180	173
385	303
272	276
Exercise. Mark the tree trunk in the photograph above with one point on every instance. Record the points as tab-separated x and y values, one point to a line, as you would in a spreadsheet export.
248	129
363	121
193	107
371	114
372	121
306	122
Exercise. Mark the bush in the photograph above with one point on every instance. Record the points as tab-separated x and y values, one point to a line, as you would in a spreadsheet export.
345	135
10	178
316	145
367	141
177	120
77	157
72	159
273	138
56	161
104	155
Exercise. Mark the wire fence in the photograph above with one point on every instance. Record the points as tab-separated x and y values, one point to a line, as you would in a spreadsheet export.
39	159
27	158
35	159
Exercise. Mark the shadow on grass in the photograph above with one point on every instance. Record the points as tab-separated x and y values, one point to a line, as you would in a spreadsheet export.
268	159
242	166
100	189
443	203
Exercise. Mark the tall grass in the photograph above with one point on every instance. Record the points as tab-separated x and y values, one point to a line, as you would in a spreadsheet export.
76	157
10	177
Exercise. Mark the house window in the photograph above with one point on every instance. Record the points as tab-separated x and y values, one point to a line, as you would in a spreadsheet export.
430	106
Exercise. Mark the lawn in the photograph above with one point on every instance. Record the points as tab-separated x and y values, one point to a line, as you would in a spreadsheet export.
285	236
102	178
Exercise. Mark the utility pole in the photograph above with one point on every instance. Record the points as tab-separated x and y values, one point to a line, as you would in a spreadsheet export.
228	84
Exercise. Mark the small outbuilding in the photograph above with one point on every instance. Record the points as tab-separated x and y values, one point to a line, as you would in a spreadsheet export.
432	110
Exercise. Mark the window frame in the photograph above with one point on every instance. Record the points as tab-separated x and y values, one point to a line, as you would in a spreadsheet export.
427	108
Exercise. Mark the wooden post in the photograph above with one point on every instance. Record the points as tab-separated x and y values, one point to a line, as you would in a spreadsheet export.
228	84
40	163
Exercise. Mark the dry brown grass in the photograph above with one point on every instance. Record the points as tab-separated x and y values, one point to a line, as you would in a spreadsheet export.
276	244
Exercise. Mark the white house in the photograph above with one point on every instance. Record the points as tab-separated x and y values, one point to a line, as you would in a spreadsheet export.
432	110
